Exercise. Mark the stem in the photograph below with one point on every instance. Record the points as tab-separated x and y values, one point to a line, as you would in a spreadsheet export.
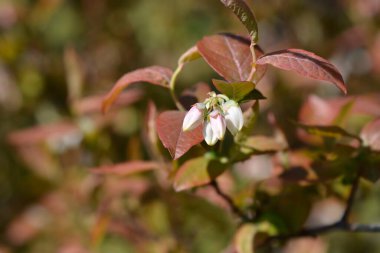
172	87
230	202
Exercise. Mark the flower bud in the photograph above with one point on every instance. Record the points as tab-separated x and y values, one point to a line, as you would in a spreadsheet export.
194	117
234	116
218	124
209	134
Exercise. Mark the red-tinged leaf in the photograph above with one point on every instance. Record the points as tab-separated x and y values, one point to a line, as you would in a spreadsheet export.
371	134
92	104
244	238
169	128
230	56
155	75
245	15
197	172
126	168
306	64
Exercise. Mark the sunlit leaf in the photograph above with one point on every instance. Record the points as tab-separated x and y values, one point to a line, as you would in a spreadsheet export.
196	172
155	75
306	64
264	144
245	15
169	128
230	56
235	90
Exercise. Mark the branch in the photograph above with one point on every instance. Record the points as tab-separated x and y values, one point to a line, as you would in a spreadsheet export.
236	210
342	225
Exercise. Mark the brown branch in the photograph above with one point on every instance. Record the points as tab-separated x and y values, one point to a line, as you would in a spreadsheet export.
236	210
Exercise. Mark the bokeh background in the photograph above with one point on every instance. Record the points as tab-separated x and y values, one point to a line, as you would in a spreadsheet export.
59	57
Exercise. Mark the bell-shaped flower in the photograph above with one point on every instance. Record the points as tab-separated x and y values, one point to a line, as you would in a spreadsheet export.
194	117
218	124
234	116
208	134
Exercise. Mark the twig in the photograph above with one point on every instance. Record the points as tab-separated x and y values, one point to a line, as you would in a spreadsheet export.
236	210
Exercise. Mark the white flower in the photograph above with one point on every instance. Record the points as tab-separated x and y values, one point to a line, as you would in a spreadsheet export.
234	116
194	117
208	134
218	124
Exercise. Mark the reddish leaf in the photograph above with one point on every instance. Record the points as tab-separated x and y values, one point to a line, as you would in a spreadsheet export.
371	134
230	56
91	104
306	64
169	128
126	168
155	75
196	172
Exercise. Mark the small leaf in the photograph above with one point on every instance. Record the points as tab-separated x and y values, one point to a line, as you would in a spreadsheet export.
244	238
245	15
126	168
155	75
169	128
230	56
235	90
306	64
327	131
253	95
197	172
191	54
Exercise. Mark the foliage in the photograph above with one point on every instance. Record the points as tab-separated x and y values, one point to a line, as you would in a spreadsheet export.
116	172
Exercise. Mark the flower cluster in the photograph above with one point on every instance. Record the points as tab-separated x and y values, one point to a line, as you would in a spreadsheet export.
217	113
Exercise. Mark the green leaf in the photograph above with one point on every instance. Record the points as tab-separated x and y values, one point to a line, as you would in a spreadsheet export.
334	132
197	172
245	15
235	90
244	238
191	54
253	95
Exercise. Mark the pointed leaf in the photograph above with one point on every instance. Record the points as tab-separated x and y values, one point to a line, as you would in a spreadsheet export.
169	128
244	238
245	15
253	95
196	172
306	64
327	131
235	90
155	75
126	168
230	56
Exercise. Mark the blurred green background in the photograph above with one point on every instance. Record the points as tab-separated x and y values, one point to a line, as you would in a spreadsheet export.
58	56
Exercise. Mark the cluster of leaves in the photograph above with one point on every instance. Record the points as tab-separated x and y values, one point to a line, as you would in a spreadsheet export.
338	154
307	161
